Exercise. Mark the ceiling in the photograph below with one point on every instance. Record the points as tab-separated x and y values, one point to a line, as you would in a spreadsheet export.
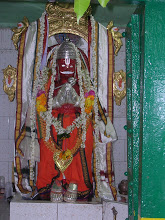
12	11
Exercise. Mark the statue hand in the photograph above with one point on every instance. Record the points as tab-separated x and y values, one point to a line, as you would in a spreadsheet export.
109	130
101	127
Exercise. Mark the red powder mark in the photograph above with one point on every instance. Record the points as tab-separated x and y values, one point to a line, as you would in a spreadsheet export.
9	80
120	83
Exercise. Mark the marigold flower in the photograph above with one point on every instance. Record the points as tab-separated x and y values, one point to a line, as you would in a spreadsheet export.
91	97
41	102
41	108
89	101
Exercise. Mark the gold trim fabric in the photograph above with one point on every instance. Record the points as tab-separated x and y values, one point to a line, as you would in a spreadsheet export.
110	112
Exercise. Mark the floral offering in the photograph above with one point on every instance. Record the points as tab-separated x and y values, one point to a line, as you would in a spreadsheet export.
89	101
41	102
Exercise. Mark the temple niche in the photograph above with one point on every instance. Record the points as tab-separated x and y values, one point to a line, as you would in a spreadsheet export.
70	96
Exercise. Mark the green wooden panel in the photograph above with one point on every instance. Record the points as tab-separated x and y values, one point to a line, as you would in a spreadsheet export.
129	115
133	112
12	12
142	38
135	107
153	155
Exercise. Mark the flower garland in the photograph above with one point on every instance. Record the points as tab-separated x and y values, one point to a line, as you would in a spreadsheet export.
77	123
82	98
94	71
50	97
89	101
95	103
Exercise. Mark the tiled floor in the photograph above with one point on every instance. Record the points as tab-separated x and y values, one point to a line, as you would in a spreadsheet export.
4	210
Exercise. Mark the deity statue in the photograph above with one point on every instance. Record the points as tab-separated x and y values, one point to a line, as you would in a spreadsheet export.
64	108
66	155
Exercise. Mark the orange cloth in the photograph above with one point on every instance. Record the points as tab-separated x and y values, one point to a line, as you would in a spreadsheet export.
46	166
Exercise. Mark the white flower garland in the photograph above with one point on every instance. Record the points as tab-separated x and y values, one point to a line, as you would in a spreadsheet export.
82	98
77	123
43	78
50	98
95	79
95	103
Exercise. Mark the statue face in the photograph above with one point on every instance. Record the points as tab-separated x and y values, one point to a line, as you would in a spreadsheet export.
66	67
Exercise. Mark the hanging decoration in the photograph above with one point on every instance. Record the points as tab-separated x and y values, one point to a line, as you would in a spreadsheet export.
116	36
119	86
21	27
9	82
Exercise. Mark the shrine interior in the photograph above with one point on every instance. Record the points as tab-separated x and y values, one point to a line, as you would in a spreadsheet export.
12	12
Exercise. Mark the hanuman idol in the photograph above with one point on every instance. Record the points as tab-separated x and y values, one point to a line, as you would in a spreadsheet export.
62	130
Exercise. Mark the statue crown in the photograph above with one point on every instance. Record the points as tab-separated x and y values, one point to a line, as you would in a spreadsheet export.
66	50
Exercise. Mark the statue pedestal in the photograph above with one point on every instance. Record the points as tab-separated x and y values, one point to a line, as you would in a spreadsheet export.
45	210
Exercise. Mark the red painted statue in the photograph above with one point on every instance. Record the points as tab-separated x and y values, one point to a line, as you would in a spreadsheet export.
66	108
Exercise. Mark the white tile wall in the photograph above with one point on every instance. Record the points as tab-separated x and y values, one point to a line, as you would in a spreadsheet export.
5	106
5	39
121	64
119	111
8	55
120	59
10	171
4	128
1	83
4	170
119	150
119	120
11	127
122	49
7	150
119	124
120	169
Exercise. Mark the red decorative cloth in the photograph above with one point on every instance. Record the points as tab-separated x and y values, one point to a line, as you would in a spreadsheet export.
76	170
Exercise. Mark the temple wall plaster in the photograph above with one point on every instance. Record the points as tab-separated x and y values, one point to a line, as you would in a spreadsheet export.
8	55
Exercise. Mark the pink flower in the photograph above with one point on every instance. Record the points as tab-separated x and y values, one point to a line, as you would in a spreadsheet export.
40	92
92	93
86	94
